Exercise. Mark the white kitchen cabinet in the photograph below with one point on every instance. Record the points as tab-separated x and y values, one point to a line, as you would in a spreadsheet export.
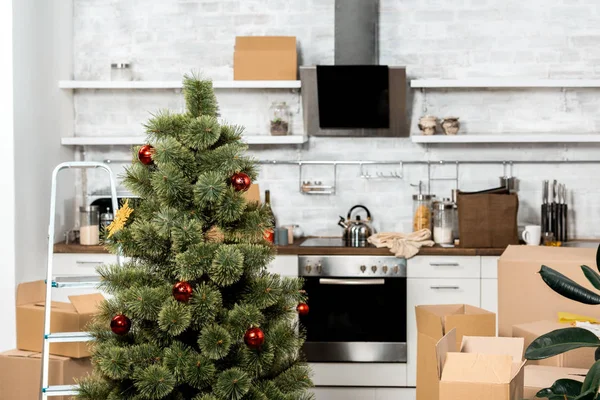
444	267
489	285
434	291
359	374
489	267
68	264
335	393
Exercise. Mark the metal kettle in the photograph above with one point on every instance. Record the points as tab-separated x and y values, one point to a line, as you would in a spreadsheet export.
356	231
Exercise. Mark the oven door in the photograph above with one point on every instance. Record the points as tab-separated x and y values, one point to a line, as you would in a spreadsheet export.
355	319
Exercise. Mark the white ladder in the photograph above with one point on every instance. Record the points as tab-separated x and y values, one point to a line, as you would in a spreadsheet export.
66	282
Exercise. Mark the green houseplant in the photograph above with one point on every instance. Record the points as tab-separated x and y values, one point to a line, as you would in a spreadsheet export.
563	340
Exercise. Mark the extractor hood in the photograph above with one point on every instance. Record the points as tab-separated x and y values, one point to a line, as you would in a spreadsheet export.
355	96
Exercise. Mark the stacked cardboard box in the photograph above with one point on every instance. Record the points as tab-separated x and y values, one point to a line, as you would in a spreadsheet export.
538	377
265	58
21	369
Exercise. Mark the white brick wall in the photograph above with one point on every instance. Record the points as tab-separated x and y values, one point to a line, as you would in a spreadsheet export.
433	38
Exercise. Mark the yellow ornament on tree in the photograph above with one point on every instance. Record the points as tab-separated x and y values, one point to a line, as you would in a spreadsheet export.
121	218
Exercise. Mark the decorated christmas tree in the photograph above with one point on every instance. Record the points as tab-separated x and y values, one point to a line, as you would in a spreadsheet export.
194	313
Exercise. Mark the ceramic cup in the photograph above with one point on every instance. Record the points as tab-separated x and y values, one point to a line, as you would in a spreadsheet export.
427	124
532	235
450	125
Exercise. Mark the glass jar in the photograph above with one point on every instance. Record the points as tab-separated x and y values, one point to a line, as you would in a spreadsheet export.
443	222
89	231
120	72
421	211
106	218
279	121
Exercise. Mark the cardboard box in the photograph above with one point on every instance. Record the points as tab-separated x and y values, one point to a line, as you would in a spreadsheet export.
253	193
265	58
578	358
538	377
66	317
433	322
524	297
21	374
488	368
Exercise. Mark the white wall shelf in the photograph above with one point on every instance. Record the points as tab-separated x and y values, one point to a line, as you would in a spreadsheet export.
139	140
134	85
504	83
509	138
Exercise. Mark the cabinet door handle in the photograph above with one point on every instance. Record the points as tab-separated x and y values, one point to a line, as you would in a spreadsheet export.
88	262
446	264
445	287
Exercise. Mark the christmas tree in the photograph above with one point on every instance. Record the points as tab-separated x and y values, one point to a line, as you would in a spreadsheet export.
195	314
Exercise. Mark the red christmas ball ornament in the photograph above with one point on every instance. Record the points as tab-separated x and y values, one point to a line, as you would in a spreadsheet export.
241	182
120	325
302	309
254	338
182	291
145	154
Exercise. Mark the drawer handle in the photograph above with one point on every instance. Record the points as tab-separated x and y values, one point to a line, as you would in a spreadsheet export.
445	287
448	264
88	262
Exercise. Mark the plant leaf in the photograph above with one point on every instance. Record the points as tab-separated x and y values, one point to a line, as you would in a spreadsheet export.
598	258
597	354
591	276
567	287
592	379
560	341
561	389
588	395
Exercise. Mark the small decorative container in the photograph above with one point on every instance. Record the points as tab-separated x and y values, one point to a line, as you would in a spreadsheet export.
279	119
121	72
427	125
89	232
450	125
443	222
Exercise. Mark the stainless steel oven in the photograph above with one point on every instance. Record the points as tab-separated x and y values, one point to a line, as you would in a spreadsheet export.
357	308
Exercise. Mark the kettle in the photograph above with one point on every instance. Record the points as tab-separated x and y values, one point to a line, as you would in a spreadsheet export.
356	231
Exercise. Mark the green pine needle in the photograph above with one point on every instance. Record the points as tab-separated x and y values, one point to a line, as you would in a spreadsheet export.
93	387
242	317
206	302
294	379
169	151
264	291
174	317
230	134
145	354
172	187
205	397
215	342
165	124
232	384
165	220
144	302
154	382
114	363
227	265
199	372
257	362
199	96
201	133
195	261
137	180
115	278
230	207
188	233
209	189
176	359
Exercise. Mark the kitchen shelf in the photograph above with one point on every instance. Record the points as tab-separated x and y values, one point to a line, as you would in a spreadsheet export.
133	85
504	83
509	138
139	140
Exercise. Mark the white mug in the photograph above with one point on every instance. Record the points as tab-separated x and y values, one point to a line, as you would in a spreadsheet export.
532	235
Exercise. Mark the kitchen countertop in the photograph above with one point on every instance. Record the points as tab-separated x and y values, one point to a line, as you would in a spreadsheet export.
297	249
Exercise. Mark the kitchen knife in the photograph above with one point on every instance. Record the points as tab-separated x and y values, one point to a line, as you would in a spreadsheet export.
545	206
565	213
559	218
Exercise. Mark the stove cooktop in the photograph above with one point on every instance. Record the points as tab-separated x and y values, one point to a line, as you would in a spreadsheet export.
326	242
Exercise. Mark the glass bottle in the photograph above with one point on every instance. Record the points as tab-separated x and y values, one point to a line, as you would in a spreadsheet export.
421	211
89	231
279	121
120	72
443	222
270	232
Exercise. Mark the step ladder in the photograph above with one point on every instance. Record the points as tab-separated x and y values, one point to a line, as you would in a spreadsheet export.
66	282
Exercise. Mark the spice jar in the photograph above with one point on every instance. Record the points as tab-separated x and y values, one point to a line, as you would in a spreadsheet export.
279	119
421	211
89	232
443	222
106	218
120	72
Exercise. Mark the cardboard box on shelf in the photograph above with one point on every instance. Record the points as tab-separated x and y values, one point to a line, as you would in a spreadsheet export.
21	379
253	193
538	377
578	358
488	368
66	317
265	58
524	297
433	322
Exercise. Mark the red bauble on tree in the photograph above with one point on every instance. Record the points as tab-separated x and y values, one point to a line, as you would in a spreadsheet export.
120	324
145	154
182	291
302	309
241	182
254	338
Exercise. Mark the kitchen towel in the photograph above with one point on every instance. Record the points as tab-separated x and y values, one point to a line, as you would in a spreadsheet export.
403	244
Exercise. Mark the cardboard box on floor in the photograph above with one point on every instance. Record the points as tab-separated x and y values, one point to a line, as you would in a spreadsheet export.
488	368
433	322
66	317
538	377
578	358
524	297
265	58
21	379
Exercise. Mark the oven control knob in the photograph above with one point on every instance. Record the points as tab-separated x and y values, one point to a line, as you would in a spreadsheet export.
363	268
319	268
374	268
384	269
308	268
396	269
